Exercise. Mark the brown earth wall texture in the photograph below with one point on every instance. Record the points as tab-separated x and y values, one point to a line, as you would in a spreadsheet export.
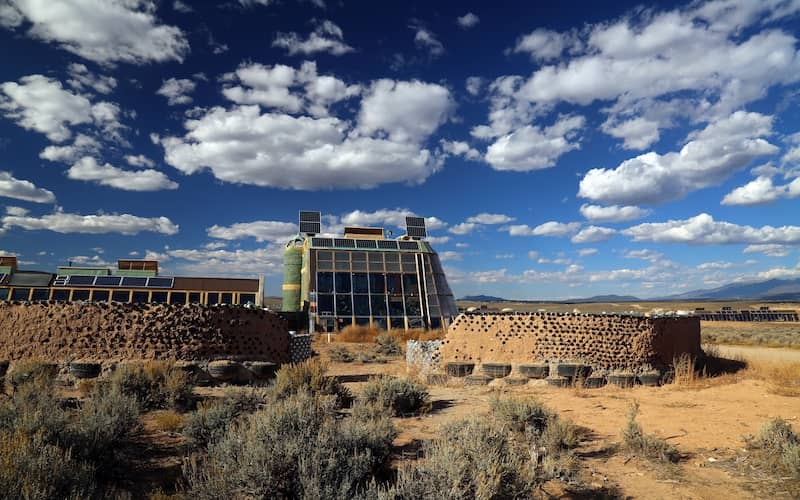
603	341
115	332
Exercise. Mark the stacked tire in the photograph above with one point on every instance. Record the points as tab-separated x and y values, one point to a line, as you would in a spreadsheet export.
459	369
224	371
496	370
84	369
535	371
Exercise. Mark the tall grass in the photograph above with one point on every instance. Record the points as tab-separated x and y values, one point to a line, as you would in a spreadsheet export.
367	334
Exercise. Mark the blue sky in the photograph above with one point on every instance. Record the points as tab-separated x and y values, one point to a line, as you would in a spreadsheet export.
557	151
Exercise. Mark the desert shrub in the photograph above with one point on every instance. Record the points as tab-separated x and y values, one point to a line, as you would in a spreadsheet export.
778	447
520	415
155	384
212	419
386	344
358	333
402	396
33	409
471	459
107	419
309	376
367	357
35	371
32	468
294	448
340	354
545	432
169	421
648	446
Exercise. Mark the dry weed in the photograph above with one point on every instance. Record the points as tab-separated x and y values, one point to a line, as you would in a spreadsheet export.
358	333
783	378
168	421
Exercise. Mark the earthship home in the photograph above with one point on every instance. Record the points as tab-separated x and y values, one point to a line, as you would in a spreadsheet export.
136	281
365	277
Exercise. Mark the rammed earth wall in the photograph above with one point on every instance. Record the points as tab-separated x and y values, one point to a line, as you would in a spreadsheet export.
114	332
603	341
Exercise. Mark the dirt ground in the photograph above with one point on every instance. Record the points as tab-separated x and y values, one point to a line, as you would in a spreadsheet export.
707	425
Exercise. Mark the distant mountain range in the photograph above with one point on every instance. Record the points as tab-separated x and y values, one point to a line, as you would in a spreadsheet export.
775	289
762	290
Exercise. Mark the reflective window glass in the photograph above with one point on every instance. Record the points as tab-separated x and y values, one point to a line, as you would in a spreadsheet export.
377	283
410	284
359	256
342	282
100	295
80	295
138	297
344	307
226	298
122	295
413	307
360	283
343	256
361	305
59	295
41	294
194	297
159	297
177	298
396	306
393	283
378	305
324	255
324	282
325	303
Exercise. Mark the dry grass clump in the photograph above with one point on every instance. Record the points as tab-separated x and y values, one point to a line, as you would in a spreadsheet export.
169	421
783	378
648	446
155	384
358	333
777	448
367	334
402	396
309	376
294	448
212	419
537	422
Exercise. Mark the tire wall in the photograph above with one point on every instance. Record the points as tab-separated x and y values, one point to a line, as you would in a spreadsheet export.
115	332
604	341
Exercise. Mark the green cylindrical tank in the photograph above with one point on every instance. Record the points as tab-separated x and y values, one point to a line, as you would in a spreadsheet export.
292	266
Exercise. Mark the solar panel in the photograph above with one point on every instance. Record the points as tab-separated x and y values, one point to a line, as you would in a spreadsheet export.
408	245
107	281
344	242
310	227
366	244
77	280
60	280
3	277
415	227
153	282
134	281
307	216
322	242
387	244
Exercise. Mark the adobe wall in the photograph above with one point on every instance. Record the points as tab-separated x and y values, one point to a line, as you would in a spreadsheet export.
115	332
604	341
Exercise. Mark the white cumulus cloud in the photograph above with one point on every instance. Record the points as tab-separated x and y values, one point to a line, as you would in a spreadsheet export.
702	229
104	31
468	20
261	230
19	189
177	91
63	222
613	213
708	158
326	37
87	169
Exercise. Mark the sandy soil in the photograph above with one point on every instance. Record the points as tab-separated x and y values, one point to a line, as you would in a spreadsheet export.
707	425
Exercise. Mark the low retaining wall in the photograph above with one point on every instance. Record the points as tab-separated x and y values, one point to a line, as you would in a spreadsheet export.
424	355
114	332
603	341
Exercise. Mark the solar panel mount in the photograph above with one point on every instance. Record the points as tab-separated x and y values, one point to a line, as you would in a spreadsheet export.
310	222
415	227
